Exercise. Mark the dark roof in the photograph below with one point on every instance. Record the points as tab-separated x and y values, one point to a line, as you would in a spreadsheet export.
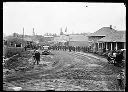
118	36
103	32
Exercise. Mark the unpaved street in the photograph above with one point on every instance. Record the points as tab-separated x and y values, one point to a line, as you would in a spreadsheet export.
69	71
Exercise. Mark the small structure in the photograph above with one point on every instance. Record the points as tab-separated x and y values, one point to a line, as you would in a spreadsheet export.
14	42
13	45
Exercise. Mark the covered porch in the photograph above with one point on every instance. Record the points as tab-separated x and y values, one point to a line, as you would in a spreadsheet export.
107	46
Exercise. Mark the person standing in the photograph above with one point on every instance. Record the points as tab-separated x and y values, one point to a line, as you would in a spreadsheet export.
120	78
37	57
25	47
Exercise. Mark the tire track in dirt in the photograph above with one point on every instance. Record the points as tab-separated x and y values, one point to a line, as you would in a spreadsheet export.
90	60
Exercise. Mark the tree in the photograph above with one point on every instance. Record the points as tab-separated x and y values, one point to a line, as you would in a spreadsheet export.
15	34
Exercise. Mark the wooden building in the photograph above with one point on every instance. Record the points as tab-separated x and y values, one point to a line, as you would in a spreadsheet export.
101	33
12	45
14	42
114	41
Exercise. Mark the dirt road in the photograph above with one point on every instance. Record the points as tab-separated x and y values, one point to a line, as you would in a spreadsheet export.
71	71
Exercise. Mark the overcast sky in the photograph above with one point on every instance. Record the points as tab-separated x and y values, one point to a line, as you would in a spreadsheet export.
52	16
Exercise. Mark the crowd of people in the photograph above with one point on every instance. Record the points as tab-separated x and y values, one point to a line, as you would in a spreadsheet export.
71	48
36	54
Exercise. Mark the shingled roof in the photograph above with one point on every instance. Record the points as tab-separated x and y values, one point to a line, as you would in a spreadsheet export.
103	32
118	36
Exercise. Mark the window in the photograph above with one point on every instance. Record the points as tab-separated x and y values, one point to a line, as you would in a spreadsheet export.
18	45
11	44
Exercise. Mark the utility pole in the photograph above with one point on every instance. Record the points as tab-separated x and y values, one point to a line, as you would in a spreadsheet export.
66	30
22	37
33	32
23	32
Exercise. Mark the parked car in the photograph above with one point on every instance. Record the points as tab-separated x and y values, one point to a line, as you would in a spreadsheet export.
46	50
111	56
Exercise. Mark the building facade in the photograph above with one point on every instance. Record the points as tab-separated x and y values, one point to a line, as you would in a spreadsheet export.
96	36
114	41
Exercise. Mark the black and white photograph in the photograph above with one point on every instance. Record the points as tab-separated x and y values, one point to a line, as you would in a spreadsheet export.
64	46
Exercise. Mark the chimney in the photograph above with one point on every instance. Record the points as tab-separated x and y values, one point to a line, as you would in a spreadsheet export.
110	26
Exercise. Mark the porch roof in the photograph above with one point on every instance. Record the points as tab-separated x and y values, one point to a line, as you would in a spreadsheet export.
118	36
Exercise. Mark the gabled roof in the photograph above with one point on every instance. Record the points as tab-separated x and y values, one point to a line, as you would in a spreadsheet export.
103	32
118	36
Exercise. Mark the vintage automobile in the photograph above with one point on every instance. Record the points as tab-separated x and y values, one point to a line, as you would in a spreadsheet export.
46	50
111	58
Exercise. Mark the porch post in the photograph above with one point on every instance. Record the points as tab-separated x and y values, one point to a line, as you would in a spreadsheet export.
98	45
111	45
116	45
94	47
102	45
15	45
124	45
106	46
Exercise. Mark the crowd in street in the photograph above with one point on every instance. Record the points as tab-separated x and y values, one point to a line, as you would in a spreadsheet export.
116	57
71	48
36	54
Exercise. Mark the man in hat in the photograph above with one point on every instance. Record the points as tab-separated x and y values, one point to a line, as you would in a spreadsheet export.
37	57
